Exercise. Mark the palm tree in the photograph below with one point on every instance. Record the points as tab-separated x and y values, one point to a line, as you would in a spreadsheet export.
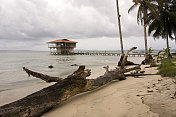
120	33
144	7
165	25
173	9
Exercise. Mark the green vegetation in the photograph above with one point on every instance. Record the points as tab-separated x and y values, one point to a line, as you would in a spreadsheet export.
160	16
162	54
164	25
144	6
167	68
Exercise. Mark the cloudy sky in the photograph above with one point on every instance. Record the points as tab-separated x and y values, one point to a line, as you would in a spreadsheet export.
29	24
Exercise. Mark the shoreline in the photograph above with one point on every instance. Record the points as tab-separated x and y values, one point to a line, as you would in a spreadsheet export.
12	94
135	97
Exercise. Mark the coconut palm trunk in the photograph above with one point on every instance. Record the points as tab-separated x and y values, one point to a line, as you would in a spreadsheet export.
167	43
120	32
145	33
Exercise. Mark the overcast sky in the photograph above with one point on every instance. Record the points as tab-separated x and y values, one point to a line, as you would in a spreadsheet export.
29	24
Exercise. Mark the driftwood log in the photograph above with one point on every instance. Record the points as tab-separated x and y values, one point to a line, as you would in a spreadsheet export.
42	101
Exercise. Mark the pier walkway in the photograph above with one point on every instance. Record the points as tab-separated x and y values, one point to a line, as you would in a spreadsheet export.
108	54
101	53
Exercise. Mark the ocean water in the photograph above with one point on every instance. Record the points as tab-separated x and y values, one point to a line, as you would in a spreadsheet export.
12	75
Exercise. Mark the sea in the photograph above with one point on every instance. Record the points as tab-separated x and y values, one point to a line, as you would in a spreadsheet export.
12	75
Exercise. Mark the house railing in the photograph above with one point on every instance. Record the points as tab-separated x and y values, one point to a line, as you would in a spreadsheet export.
58	46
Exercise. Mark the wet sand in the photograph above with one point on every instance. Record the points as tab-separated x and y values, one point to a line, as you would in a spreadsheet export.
10	95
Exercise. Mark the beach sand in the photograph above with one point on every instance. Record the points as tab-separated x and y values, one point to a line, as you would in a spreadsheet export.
146	96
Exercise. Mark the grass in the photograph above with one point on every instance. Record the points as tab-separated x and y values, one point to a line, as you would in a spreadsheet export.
167	68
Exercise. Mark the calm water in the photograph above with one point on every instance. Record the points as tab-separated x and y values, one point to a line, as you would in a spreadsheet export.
11	63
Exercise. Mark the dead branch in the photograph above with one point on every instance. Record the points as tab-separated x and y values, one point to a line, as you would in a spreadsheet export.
42	76
125	57
139	74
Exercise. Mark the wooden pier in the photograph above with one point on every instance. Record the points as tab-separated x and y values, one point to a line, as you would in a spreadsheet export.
108	54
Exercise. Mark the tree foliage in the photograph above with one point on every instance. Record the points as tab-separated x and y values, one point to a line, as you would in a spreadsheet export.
165	24
144	6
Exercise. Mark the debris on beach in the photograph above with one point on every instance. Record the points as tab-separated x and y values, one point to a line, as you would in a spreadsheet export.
50	66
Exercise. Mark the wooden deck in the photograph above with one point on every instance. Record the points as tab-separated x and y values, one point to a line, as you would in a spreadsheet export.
108	54
100	53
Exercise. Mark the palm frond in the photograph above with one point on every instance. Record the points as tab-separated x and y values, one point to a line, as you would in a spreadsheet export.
153	9
140	14
153	26
132	7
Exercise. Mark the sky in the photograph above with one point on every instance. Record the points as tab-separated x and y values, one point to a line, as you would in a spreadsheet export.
30	24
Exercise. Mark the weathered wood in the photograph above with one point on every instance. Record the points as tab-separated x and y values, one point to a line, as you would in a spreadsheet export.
40	102
45	99
42	76
139	74
124	61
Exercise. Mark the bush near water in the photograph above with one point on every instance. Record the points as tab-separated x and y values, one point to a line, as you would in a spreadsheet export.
167	68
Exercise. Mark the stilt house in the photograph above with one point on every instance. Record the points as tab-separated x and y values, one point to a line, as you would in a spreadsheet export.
62	47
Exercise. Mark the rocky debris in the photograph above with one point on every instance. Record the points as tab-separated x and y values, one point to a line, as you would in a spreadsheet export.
50	66
74	65
149	90
148	87
174	81
172	96
156	88
160	79
162	98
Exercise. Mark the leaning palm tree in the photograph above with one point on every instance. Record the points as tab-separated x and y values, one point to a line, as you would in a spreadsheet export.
165	25
120	33
144	7
121	41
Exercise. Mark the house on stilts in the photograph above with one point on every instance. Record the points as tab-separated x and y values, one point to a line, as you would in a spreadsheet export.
62	47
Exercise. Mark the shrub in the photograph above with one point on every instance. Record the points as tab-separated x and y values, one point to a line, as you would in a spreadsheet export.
167	68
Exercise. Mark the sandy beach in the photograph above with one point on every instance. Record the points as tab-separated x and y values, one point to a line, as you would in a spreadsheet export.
146	96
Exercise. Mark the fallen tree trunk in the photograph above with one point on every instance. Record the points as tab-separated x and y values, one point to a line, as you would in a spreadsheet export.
40	102
139	74
43	100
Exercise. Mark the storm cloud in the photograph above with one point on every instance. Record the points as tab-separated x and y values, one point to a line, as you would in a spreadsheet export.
30	24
